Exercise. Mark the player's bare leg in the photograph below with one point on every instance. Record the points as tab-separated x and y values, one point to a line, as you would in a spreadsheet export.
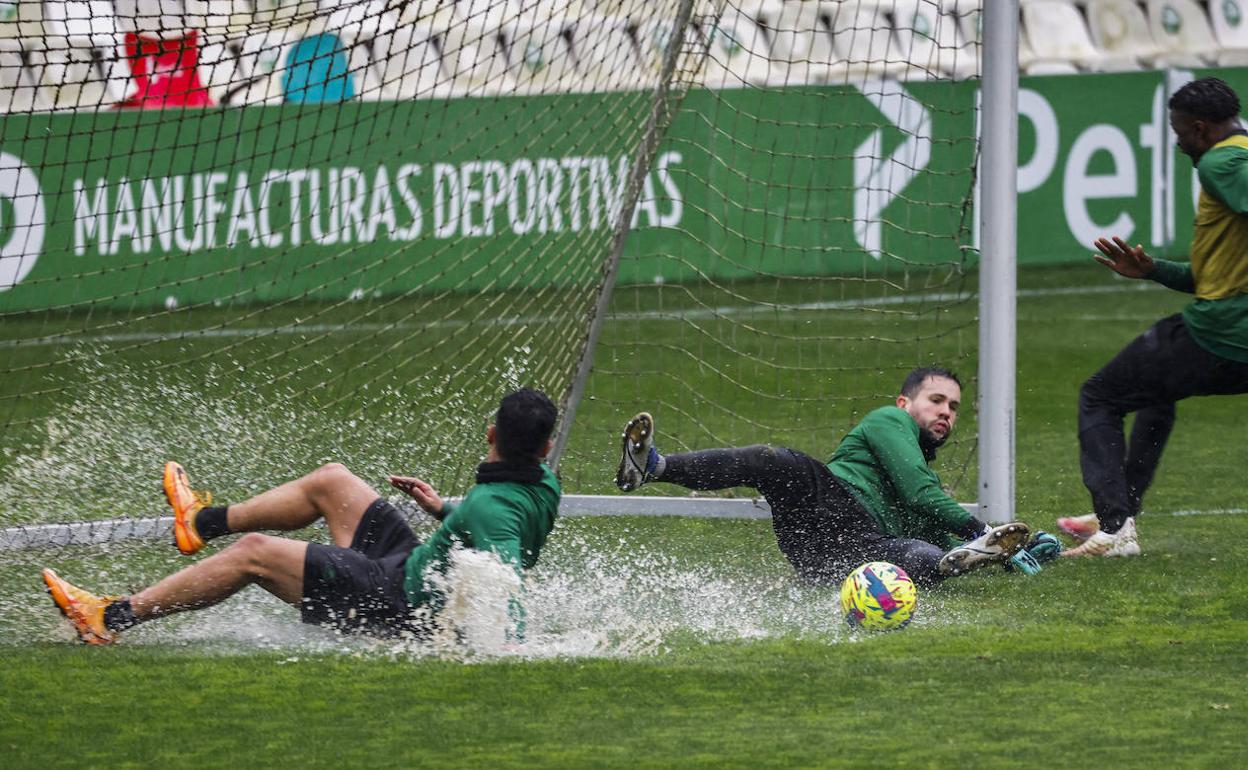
273	563
331	492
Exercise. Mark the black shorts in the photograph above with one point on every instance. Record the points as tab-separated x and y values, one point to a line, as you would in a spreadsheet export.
361	588
821	527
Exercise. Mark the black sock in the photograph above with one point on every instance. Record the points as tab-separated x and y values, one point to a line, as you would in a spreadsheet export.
211	522
119	615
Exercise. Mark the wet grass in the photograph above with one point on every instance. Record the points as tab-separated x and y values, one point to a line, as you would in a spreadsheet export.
1120	663
670	642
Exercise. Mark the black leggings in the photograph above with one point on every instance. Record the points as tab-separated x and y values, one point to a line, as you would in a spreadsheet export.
1160	367
820	526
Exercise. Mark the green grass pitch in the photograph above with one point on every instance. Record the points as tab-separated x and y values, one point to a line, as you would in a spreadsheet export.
677	642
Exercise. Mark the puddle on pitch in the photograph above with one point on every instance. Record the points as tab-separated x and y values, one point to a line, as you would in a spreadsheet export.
592	604
599	591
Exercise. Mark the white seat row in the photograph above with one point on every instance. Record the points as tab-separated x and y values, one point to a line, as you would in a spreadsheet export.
770	41
1110	35
74	55
61	54
828	41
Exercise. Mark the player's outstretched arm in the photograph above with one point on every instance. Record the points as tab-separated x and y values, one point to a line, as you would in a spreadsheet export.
1127	261
425	495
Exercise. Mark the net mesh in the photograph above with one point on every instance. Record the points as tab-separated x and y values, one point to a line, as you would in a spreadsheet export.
259	236
821	242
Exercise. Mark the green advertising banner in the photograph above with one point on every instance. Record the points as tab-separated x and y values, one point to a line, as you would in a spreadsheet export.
256	204
1097	157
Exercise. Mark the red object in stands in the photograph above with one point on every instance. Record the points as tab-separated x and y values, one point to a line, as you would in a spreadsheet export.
165	72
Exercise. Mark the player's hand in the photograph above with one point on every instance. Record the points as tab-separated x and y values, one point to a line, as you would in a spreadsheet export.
425	496
1124	260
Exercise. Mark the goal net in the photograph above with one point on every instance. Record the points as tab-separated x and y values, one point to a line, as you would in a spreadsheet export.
259	236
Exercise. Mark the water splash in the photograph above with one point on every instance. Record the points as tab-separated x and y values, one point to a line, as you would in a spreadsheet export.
588	602
601	589
99	456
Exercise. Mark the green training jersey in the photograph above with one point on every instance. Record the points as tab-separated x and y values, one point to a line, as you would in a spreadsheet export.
1218	273
508	518
881	461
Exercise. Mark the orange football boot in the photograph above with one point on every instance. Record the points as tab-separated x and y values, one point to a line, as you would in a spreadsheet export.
186	502
82	608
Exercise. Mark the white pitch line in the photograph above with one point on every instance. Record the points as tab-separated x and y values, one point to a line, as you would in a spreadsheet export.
1210	512
160	527
724	311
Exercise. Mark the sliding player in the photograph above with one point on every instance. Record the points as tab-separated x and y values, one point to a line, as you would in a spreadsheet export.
877	499
376	573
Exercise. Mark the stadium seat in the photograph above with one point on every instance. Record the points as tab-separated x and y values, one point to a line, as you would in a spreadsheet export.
739	46
83	68
1182	31
800	37
277	12
21	79
1030	64
1056	32
242	71
164	71
830	42
21	19
359	25
605	50
158	19
474	59
537	54
653	34
219	19
862	39
412	63
317	70
496	13
930	40
1120	28
969	15
1230	27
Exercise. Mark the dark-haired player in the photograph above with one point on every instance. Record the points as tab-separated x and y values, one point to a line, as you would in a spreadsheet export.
1202	351
877	499
376	572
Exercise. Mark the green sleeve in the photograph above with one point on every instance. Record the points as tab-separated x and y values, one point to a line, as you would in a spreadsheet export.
1223	174
895	444
1173	275
478	527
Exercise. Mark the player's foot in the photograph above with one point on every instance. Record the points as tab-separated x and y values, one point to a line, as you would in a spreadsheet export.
639	459
81	608
1079	527
1044	547
1040	549
996	545
185	502
1124	542
1023	562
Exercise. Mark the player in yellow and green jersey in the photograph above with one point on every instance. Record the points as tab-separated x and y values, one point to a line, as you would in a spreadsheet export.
375	574
1202	351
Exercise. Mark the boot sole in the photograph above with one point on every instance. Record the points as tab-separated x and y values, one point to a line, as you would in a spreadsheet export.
637	431
1006	540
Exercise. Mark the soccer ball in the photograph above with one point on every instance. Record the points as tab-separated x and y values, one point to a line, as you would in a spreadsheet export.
878	596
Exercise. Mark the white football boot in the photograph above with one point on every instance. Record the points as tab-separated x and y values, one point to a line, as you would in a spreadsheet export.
636	448
1124	542
994	546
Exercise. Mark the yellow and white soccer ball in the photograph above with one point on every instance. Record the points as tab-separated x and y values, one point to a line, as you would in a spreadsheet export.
878	596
